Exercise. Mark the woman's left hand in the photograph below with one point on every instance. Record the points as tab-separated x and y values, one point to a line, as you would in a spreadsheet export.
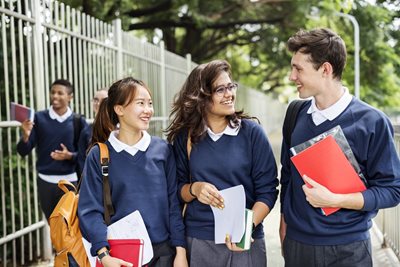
232	246
180	258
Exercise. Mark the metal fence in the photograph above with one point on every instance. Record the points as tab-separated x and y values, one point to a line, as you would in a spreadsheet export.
388	220
43	40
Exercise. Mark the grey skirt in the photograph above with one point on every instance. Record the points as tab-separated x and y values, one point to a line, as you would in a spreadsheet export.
206	253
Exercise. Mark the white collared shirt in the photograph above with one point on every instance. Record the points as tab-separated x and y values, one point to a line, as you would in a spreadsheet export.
54	116
118	146
332	112
228	131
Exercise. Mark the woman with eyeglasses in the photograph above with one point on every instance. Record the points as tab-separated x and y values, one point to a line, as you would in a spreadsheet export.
228	149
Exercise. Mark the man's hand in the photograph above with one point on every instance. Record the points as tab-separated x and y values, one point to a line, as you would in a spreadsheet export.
63	154
26	127
318	195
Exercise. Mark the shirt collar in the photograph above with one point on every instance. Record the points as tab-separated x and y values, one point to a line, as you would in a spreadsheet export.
228	130
118	146
336	109
54	116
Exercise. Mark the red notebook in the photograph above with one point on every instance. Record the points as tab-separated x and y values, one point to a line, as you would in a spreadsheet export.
20	113
326	163
130	250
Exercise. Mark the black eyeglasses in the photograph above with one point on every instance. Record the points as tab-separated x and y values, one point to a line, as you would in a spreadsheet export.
221	90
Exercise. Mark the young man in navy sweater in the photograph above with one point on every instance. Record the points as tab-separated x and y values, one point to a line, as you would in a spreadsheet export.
52	133
342	238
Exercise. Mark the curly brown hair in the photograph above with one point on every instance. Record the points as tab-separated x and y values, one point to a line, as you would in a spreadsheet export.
190	107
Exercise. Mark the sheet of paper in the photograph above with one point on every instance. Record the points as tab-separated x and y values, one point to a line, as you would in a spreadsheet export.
130	227
230	220
88	246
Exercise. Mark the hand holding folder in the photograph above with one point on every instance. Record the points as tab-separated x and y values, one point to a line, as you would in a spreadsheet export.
20	113
129	250
325	163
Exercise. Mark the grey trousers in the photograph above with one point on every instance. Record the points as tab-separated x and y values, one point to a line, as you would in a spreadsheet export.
356	254
206	253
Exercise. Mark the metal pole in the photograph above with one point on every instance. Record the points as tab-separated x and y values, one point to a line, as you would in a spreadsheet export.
356	52
118	43
163	86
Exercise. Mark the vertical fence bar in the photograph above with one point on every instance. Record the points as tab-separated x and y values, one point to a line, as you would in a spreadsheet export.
22	86
118	44
6	87
163	86
30	88
63	48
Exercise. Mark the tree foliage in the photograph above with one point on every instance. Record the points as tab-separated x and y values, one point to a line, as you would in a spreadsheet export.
252	36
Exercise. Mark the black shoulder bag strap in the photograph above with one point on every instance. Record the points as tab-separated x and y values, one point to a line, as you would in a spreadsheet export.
107	201
77	129
290	120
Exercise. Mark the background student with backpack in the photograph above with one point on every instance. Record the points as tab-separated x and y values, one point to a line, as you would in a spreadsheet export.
142	176
86	135
53	134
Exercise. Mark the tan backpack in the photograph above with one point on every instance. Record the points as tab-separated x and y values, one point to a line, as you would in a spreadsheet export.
65	234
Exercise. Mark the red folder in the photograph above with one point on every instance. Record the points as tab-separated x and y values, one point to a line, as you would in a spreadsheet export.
130	250
20	113
325	163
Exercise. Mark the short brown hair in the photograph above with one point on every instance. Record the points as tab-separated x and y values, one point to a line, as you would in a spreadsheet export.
323	45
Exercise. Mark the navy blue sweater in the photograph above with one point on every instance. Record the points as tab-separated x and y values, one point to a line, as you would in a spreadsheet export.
370	136
83	145
245	159
144	182
47	135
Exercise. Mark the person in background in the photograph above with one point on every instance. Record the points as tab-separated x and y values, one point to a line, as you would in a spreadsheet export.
86	135
52	133
342	238
142	175
228	149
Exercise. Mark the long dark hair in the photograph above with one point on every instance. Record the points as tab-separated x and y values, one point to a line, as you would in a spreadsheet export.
121	92
189	110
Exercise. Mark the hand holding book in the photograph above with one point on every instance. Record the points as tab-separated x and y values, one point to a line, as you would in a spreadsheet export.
325	163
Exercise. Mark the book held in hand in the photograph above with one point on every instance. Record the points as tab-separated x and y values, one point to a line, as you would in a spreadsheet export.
130	250
325	163
20	112
245	242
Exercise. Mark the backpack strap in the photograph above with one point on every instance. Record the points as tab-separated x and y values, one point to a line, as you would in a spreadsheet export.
290	120
107	201
62	184
77	129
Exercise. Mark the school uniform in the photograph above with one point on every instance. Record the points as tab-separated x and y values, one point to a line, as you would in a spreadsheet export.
83	145
143	178
342	238
49	131
240	156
